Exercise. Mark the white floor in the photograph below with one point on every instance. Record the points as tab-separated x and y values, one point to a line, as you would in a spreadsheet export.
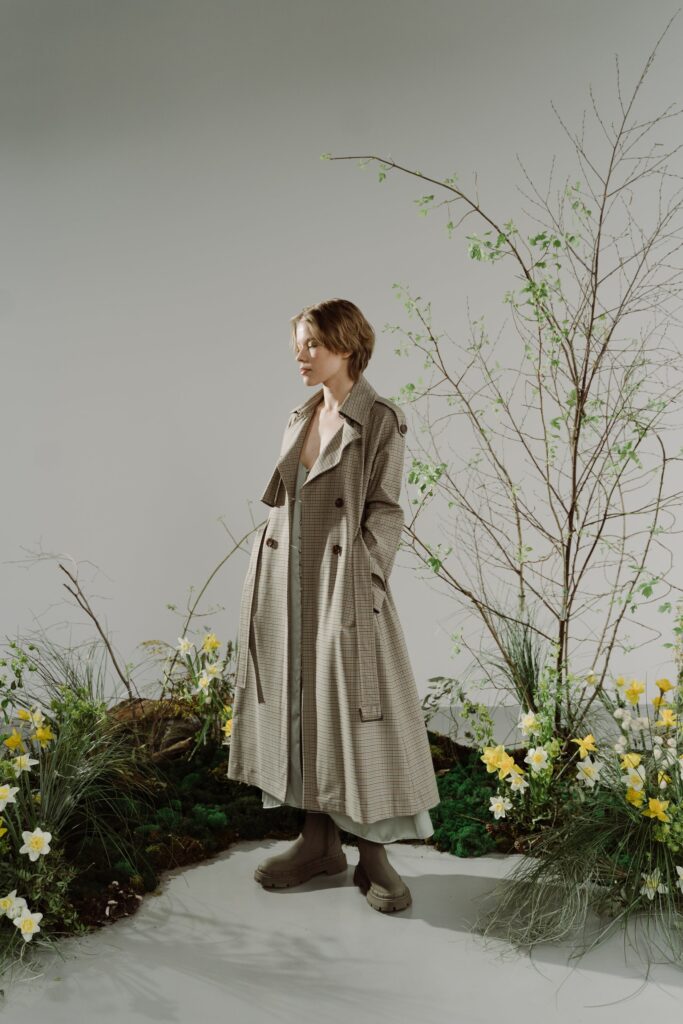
216	946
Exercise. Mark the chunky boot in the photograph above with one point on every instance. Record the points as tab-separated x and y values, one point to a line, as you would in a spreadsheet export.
382	885
317	850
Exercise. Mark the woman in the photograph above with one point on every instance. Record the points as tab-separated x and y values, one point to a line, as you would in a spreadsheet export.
326	715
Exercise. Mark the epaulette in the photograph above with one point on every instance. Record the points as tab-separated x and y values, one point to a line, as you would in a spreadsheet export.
399	415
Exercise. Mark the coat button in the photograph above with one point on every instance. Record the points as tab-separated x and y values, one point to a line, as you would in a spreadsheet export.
339	502
336	550
271	542
403	428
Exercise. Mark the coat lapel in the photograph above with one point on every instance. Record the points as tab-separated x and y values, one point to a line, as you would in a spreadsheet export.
355	410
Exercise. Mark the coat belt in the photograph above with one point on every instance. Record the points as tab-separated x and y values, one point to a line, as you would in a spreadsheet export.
370	707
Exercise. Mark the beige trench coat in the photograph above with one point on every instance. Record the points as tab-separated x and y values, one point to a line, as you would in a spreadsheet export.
365	750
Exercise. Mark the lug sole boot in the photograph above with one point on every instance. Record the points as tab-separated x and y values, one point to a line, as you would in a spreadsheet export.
379	896
317	851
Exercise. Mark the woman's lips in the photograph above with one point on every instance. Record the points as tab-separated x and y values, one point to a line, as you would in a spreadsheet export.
304	369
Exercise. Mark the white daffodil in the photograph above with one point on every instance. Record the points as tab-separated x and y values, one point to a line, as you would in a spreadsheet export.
203	682
591	678
658	740
22	763
499	805
652	884
588	771
517	782
27	923
35	843
11	904
634	778
184	645
528	723
537	758
7	795
212	670
669	757
657	753
37	717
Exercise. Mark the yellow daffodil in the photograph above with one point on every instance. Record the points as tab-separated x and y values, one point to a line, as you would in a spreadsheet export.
659	700
491	757
585	744
620	682
631	760
667	718
2	829
227	728
44	734
24	714
663	779
664	685
15	741
657	809
505	765
211	643
633	691
635	796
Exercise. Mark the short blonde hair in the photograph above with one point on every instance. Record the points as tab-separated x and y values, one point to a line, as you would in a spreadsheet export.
339	325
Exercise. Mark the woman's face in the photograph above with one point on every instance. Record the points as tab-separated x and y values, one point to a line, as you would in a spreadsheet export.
320	365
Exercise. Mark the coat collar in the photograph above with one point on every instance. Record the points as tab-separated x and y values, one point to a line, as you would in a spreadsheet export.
355	410
356	406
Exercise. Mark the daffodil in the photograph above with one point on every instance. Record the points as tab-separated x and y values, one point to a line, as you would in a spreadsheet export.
620	682
499	804
652	884
631	760
15	741
679	883
528	723
24	714
633	691
27	923
585	743
657	809
537	758
664	685
227	728
7	795
590	679
634	777
11	905
663	779
212	670
211	643
505	765
203	682
588	771
667	718
517	782
35	843
491	757
43	734
184	645
635	796
22	763
658	700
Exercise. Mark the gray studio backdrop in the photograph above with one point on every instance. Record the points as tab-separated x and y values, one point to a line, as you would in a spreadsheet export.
165	211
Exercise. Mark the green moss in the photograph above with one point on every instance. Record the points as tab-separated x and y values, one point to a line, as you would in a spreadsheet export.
460	820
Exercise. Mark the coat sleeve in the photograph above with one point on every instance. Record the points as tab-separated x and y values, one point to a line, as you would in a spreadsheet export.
383	518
